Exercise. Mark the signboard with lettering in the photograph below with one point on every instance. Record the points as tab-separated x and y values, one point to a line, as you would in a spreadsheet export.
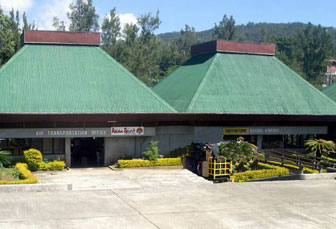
235	131
77	132
275	130
127	130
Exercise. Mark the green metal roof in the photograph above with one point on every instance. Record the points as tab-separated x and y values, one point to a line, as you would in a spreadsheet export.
330	91
241	83
72	79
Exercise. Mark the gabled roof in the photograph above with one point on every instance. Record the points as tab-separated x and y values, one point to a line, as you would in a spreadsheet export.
216	83
72	79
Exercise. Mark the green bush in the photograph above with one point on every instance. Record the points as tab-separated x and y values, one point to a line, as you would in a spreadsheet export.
179	152
33	158
147	163
4	158
238	150
52	165
269	171
152	152
25	175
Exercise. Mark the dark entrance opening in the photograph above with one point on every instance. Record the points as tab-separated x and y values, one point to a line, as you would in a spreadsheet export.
87	152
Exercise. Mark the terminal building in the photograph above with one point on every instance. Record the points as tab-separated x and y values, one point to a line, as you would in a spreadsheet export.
62	94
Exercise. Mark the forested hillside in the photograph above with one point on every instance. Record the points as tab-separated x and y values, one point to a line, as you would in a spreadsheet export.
253	31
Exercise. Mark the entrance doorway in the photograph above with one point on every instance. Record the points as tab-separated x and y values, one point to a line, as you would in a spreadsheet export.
87	152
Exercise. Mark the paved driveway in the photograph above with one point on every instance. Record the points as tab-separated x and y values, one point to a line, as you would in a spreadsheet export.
142	198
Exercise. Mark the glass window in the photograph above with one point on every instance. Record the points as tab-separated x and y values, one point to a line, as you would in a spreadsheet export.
37	144
47	146
59	145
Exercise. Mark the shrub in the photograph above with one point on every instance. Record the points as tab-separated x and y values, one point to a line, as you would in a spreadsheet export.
147	163
320	147
33	158
4	158
238	150
52	165
26	176
269	171
306	170
152	152
179	152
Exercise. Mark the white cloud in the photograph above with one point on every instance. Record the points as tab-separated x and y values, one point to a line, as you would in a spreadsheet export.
21	5
127	18
57	8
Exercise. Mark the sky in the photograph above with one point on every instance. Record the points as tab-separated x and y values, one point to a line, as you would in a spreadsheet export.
174	14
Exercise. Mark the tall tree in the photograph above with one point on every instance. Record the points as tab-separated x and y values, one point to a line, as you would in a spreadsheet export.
58	24
130	33
26	24
83	16
187	39
315	44
110	31
226	29
7	43
148	24
15	28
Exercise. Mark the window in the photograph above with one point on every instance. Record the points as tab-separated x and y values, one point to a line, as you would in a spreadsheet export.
47	144
59	145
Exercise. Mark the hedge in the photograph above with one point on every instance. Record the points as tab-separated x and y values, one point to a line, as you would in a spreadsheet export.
26	176
146	163
307	170
270	171
52	166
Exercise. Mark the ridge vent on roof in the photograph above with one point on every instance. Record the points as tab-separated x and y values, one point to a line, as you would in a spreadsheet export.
60	38
233	47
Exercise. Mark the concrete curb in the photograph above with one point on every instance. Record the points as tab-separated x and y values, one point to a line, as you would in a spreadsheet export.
317	176
313	176
35	187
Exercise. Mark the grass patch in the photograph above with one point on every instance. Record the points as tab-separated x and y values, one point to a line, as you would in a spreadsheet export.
9	174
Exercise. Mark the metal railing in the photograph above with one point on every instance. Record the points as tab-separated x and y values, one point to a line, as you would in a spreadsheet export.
219	168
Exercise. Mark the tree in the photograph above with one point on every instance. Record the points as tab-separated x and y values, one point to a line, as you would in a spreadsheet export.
289	52
110	32
187	39
26	25
7	43
320	147
130	33
226	29
152	152
148	24
58	24
83	17
315	44
142	52
15	28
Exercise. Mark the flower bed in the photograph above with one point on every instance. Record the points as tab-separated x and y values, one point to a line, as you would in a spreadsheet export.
269	171
147	163
306	170
9	174
26	177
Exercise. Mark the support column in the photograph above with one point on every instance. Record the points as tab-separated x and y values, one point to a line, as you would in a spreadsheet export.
259	142
68	152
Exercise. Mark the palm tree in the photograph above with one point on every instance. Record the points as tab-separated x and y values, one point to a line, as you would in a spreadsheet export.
320	147
4	158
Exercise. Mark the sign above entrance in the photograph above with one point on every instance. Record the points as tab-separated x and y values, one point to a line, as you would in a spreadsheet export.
78	132
127	130
275	130
235	131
